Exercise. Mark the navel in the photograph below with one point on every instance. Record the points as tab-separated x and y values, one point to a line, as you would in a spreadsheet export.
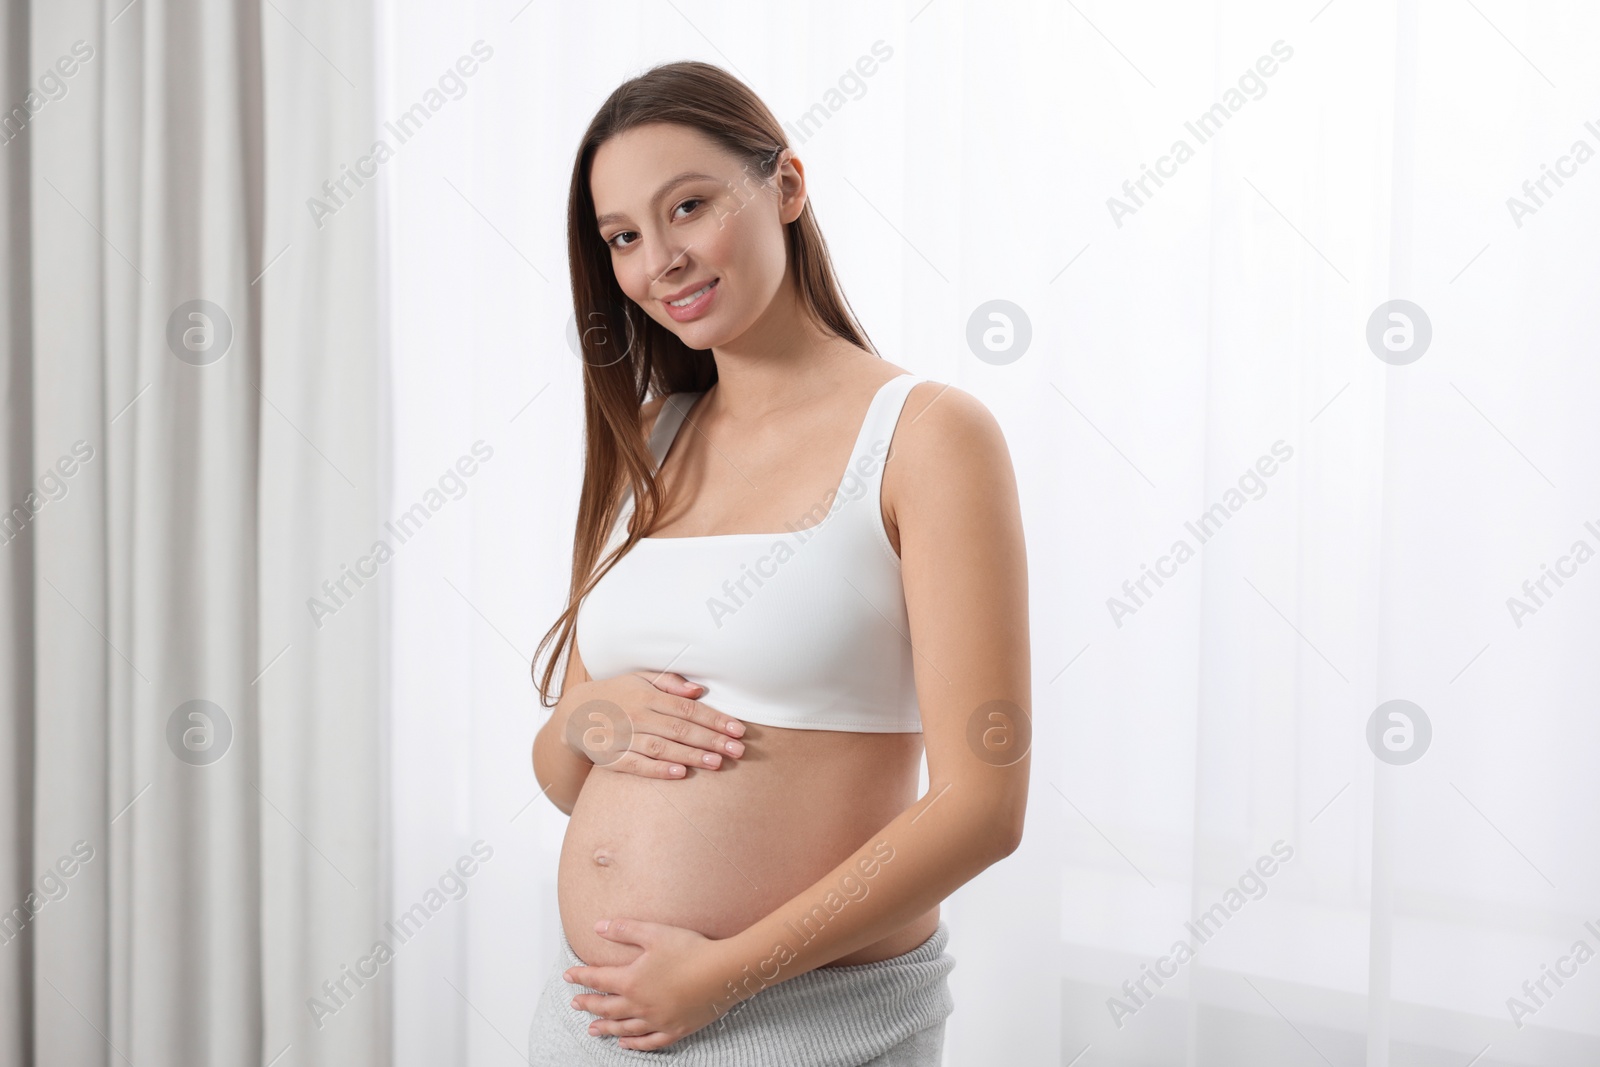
602	857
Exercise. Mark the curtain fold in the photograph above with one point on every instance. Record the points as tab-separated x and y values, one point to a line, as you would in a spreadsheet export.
191	811
16	556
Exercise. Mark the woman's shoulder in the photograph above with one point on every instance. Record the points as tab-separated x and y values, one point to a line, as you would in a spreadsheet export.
950	473
941	416
949	437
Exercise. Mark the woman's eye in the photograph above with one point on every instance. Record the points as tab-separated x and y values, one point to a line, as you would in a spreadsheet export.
613	240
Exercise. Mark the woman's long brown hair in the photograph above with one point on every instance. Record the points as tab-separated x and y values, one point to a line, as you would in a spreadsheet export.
627	355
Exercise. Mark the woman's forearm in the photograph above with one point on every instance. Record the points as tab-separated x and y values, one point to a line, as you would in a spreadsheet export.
920	858
560	770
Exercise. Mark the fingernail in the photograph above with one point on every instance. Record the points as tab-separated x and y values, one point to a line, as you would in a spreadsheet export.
736	729
734	747
710	759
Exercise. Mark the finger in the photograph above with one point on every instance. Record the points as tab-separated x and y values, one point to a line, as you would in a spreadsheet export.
604	1005
695	723
685	707
601	978
644	766
672	682
630	931
684	685
621	1027
648	1043
656	747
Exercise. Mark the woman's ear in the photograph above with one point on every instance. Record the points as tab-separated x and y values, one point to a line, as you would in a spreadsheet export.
791	179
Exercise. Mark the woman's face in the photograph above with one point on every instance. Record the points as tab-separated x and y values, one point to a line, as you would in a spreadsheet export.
679	213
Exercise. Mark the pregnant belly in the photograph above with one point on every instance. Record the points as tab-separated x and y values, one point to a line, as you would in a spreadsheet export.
716	851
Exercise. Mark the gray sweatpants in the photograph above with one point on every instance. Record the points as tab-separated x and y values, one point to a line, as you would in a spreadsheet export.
886	1014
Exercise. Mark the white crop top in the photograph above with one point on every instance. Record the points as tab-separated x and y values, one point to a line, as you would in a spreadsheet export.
804	628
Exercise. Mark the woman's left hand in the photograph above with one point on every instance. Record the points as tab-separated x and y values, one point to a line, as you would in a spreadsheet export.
673	988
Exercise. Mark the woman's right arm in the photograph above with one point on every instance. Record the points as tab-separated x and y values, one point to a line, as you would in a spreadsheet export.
661	737
642	723
559	768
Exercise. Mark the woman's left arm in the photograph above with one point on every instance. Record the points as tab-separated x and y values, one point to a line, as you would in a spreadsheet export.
952	491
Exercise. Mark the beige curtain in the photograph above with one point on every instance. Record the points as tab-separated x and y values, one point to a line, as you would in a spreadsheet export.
190	833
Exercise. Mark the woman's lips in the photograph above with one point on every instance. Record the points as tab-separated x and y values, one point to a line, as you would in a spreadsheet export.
697	308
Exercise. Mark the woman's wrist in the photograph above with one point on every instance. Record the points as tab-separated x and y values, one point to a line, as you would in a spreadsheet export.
559	768
720	979
560	724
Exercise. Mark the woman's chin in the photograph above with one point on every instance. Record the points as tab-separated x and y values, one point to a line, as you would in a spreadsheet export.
698	339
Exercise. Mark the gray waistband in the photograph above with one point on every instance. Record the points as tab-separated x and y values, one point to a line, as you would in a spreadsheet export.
823	1018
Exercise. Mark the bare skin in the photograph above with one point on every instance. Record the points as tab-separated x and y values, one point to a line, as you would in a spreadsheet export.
721	848
731	853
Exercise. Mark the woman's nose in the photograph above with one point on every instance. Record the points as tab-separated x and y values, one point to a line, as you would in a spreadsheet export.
667	259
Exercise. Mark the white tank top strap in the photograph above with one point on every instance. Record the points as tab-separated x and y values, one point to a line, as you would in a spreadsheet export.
668	420
863	476
802	628
871	448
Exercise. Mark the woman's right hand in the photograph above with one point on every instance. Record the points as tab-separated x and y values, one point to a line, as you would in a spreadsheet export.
649	724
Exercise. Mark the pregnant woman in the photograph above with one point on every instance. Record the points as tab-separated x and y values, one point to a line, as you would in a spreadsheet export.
797	569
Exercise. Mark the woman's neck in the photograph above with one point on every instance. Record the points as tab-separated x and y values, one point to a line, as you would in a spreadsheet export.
783	361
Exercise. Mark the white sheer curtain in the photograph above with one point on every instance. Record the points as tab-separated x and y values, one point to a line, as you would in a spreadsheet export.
1203	349
190	820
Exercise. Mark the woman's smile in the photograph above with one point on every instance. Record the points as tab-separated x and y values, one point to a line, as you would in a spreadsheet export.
694	304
